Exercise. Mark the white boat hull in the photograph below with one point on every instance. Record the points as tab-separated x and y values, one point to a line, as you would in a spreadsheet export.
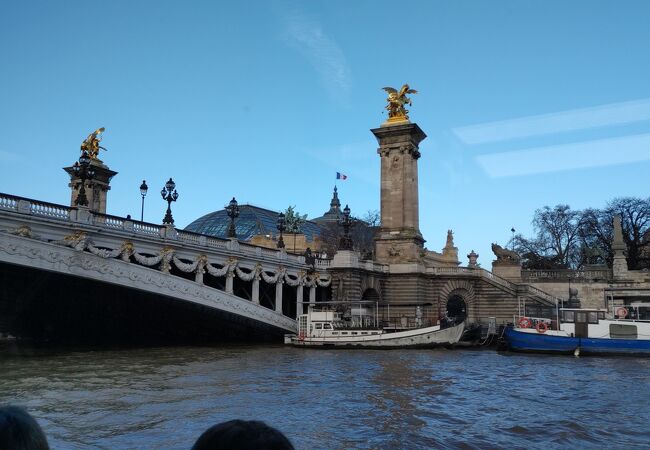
416	338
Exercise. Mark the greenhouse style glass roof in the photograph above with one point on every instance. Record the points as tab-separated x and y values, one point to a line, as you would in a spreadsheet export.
252	221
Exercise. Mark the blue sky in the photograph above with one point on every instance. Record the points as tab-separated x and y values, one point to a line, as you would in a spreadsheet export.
525	104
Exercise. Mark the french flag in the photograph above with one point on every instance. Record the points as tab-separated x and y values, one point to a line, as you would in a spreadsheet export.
340	176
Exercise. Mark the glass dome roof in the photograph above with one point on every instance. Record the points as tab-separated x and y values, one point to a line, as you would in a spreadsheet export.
252	221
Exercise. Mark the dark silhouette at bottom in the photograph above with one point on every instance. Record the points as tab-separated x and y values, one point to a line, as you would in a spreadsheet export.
242	435
20	431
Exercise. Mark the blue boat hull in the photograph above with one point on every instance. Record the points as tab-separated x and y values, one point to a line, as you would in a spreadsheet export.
544	343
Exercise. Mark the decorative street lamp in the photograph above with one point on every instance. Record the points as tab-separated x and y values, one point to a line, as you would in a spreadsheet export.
170	197
281	227
83	170
345	243
232	209
143	192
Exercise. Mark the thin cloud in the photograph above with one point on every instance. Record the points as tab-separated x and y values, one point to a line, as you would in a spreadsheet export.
597	153
320	50
9	156
564	121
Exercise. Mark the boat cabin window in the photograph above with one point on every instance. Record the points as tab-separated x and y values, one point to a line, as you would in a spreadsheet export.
617	331
319	326
592	317
601	314
327	326
569	316
335	332
581	317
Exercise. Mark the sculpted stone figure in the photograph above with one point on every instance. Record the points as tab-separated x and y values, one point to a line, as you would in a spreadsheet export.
504	255
91	143
396	101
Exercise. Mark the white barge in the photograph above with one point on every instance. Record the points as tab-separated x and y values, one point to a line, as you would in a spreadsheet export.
361	327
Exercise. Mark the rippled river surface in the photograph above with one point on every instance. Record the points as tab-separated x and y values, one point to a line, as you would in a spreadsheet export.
164	398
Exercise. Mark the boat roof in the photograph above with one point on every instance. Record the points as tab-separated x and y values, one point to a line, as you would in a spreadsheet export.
365	302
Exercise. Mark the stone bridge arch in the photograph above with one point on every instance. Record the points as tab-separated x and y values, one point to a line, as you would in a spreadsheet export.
456	294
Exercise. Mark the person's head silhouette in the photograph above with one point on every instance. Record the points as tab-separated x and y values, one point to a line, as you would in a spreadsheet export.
242	435
20	431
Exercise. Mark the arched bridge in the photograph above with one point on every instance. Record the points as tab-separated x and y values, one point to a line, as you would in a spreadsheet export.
69	273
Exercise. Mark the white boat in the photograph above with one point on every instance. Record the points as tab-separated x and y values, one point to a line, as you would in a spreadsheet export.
364	327
624	331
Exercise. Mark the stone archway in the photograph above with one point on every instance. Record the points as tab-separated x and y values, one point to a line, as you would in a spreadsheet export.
456	308
371	289
371	294
457	299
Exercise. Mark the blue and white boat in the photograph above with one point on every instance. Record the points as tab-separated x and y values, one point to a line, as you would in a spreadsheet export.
585	332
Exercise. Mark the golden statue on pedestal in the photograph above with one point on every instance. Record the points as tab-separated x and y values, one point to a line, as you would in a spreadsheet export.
91	143
396	101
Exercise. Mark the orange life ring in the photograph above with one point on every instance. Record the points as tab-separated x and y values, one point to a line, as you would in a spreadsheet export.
525	322
621	313
541	327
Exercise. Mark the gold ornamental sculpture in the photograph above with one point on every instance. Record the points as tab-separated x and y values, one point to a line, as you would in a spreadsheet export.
396	101
91	144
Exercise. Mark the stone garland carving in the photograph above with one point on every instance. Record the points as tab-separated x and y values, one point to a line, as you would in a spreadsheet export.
104	253
79	241
323	282
293	281
217	272
147	260
271	279
186	267
247	276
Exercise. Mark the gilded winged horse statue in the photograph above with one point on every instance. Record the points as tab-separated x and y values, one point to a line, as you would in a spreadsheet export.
396	101
91	143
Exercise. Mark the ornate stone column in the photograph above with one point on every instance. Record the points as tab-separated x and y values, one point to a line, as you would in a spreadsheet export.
299	294
256	289
278	296
198	274
312	295
230	275
399	238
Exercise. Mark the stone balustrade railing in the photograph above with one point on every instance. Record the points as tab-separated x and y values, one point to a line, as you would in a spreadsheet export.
567	274
539	293
37	208
487	275
476	272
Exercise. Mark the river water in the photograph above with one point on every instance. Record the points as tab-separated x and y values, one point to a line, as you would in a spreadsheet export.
164	398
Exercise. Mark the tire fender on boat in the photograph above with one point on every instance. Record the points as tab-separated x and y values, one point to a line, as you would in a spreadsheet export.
541	327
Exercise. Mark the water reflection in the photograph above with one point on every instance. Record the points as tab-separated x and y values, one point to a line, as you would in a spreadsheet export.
165	397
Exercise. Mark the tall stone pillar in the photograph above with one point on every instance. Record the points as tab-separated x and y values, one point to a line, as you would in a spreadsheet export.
312	295
278	296
399	238
96	188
